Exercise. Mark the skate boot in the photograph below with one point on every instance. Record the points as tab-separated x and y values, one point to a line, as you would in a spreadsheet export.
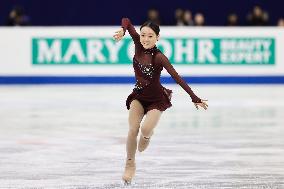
143	143
129	172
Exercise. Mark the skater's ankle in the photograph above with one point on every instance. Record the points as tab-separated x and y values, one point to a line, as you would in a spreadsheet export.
130	159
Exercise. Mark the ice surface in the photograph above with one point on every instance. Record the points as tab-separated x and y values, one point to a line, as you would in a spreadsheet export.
73	136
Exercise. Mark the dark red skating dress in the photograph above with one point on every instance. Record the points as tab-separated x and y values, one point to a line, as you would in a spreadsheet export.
148	64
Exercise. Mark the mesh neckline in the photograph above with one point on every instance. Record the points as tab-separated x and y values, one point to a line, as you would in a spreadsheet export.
151	50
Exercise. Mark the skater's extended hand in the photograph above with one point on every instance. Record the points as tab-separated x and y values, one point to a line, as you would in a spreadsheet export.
118	34
203	104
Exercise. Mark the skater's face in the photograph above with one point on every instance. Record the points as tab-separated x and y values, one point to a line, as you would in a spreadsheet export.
148	37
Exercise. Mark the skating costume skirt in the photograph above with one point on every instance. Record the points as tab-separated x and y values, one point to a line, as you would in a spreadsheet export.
153	96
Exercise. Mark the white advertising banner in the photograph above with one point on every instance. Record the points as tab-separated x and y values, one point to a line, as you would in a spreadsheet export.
91	51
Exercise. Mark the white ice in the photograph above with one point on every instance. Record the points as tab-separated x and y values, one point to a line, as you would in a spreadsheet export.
73	136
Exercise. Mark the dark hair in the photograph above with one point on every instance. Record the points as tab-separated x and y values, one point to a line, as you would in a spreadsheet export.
155	27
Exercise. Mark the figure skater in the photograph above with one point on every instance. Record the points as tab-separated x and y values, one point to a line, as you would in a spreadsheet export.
149	98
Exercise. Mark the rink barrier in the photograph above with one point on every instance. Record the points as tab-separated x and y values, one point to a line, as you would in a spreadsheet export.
131	80
89	55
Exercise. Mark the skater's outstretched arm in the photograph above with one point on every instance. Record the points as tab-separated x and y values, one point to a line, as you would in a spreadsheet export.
170	69
126	25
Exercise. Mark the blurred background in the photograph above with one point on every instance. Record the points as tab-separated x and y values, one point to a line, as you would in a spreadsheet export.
64	82
181	12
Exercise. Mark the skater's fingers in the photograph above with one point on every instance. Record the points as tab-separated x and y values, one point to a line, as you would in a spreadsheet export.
196	106
117	38
205	104
118	31
117	34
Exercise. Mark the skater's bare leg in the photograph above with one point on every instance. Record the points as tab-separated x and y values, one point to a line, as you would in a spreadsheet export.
136	113
150	122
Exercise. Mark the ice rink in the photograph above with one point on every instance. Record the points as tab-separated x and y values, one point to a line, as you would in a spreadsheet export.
73	136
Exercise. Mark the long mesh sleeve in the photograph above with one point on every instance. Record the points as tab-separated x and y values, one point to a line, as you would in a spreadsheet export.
126	25
170	69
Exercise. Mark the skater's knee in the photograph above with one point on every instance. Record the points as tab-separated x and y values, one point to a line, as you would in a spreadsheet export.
133	123
133	132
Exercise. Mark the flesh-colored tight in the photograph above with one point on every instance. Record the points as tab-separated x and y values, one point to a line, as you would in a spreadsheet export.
136	114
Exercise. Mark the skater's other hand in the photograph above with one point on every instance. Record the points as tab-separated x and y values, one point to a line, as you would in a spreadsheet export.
202	104
118	34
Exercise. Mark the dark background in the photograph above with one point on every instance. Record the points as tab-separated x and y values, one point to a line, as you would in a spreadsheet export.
103	12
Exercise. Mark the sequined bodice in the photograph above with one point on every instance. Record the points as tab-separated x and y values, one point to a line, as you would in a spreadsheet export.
147	70
144	74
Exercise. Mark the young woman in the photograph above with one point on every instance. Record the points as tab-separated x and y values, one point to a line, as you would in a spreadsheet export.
149	98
